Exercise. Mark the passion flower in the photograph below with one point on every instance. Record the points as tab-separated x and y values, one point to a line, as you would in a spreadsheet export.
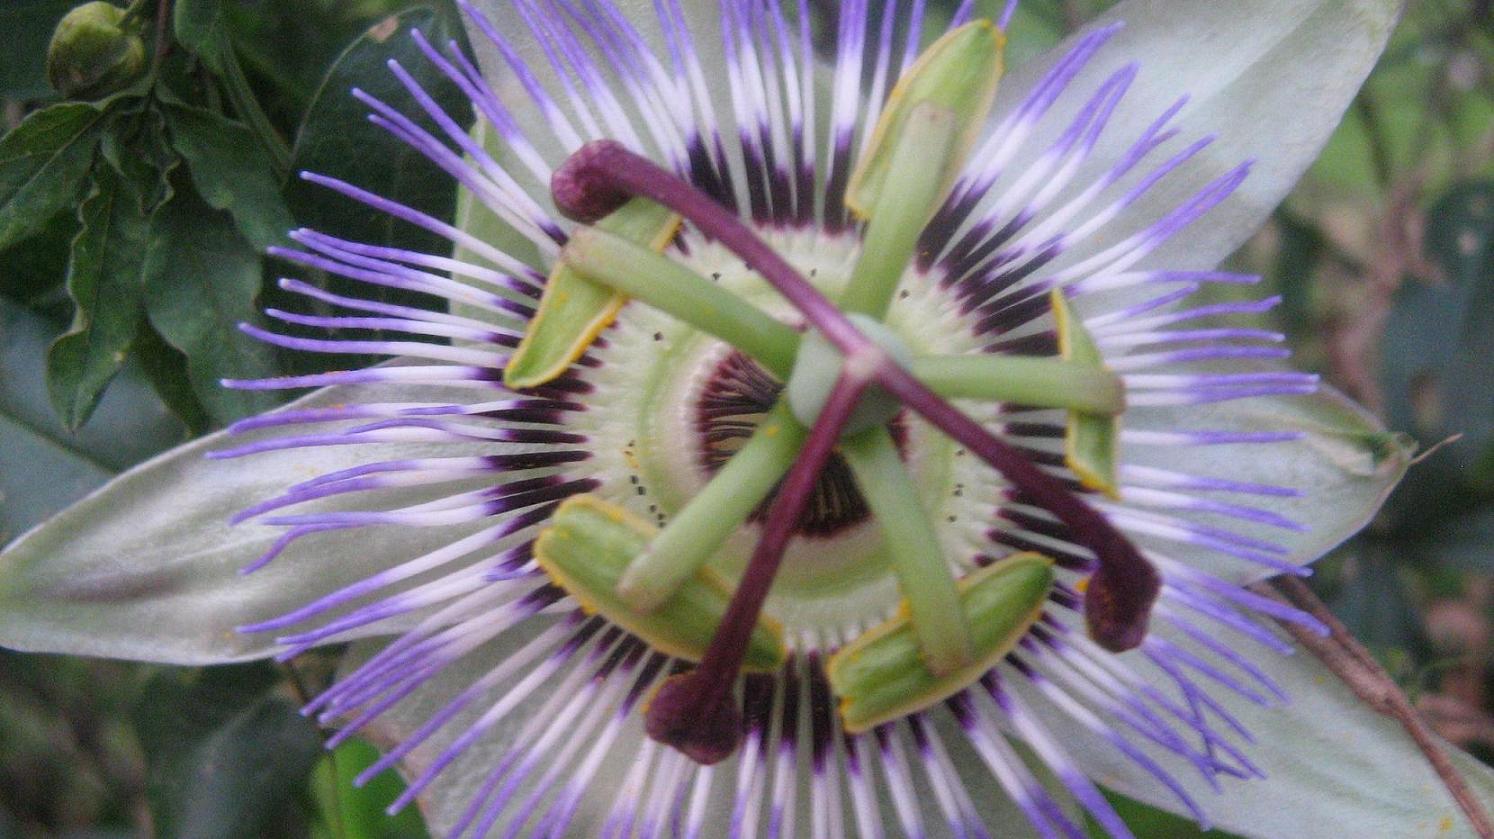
787	454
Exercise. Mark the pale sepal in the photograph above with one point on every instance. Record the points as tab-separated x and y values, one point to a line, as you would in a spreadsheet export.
1343	465
1334	766
147	566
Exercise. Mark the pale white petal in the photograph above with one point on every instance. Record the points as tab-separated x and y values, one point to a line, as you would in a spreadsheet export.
1270	78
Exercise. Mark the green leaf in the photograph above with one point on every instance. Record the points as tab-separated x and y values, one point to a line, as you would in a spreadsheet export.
290	43
336	139
231	172
1465	542
1292	272
1434	359
82	777
166	368
351	812
205	28
202	27
28	26
137	147
25	454
202	280
227	758
34	270
130	425
1374	604
105	282
43	164
1437	335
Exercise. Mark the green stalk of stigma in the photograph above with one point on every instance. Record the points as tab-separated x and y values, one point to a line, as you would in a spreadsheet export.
1040	382
674	289
923	575
910	193
700	529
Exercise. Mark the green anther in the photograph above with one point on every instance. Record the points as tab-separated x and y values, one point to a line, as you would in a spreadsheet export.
818	367
674	289
922	154
930	594
697	531
585	550
880	676
1040	382
573	311
958	73
1091	440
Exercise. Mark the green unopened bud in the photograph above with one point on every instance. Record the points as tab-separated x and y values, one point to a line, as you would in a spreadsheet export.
881	676
94	52
589	545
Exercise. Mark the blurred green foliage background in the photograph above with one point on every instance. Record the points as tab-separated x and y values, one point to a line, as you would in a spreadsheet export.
113	333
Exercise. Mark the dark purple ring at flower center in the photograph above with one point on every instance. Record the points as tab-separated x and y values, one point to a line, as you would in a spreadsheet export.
736	396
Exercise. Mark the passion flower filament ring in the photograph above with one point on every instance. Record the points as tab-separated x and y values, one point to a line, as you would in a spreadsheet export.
788	437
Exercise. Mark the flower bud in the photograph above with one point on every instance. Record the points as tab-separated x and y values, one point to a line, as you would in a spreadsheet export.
93	53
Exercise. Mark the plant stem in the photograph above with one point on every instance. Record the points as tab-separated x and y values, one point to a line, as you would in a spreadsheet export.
248	108
1342	653
163	43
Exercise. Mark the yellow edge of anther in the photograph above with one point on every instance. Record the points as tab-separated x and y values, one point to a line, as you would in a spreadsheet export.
1088	478
594	327
584	340
965	676
900	92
